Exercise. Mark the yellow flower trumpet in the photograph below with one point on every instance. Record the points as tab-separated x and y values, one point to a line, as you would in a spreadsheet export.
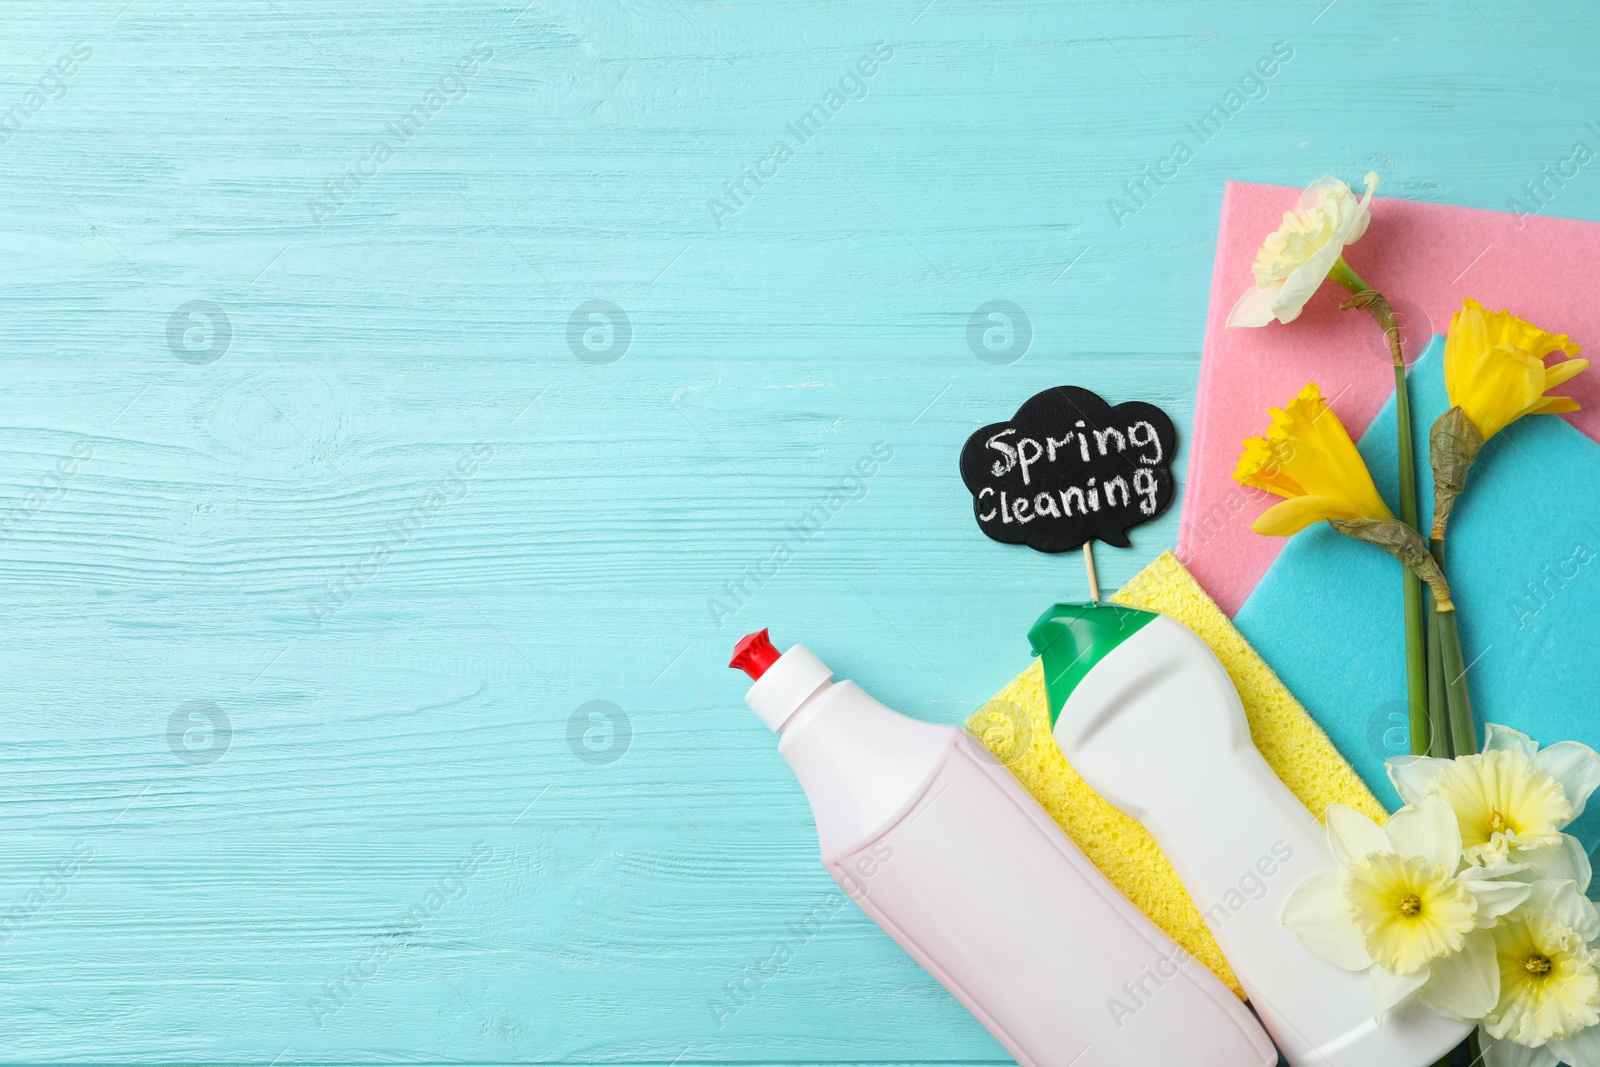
1495	371
1494	367
1308	458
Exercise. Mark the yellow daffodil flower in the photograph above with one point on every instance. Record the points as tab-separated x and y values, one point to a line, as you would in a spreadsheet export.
1307	457
1512	800
1409	909
1400	905
1305	248
1494	368
1549	979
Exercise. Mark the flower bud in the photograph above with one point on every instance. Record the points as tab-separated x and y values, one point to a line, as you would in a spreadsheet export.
1454	444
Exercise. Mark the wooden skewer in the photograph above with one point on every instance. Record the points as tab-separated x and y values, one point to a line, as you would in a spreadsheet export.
1094	579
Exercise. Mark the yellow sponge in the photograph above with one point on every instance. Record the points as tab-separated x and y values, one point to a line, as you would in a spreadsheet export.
1015	726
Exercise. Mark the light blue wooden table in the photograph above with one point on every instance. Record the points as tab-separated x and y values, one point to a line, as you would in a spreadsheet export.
404	403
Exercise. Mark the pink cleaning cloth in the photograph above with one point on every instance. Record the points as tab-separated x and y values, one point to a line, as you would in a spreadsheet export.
1426	258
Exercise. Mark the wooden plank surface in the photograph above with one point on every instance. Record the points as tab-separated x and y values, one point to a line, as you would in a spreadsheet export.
330	517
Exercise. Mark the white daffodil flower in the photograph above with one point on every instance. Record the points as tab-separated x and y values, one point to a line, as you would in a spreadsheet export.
1549	1004
1300	254
1512	800
1394	905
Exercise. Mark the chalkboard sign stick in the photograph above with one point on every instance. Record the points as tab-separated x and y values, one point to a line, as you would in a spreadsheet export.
1094	579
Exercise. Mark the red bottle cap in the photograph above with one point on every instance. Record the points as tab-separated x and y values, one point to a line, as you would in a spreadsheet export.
754	654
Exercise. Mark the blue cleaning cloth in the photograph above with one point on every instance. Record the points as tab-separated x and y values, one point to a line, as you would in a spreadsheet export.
1523	559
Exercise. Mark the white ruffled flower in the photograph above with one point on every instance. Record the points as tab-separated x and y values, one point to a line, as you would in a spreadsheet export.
1400	904
1512	800
1300	254
1549	1003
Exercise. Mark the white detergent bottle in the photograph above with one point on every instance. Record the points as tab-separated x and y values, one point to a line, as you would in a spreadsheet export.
1148	716
944	850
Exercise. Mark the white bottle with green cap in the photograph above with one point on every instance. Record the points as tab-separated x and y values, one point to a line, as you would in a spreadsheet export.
1146	714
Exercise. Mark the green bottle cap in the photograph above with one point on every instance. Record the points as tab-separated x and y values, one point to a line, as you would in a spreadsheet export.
1071	638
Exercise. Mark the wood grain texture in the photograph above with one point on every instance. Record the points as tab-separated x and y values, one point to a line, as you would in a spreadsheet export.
168	910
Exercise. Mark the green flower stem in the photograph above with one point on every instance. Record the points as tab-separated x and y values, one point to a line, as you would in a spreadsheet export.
1416	664
1438	700
1411	586
1463	731
1363	296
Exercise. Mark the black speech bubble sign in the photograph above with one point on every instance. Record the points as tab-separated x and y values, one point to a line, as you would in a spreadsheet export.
1069	468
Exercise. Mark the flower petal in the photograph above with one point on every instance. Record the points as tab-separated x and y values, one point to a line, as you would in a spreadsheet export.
1576	766
1567	906
1496	892
1496	737
1361	214
1295	514
1564	861
1389	989
1428	829
1313	195
1319	915
1582	1049
1556	373
1298	287
1254	307
1352	835
1555	405
1501	384
1466	336
1466	984
1411	774
1498	1053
